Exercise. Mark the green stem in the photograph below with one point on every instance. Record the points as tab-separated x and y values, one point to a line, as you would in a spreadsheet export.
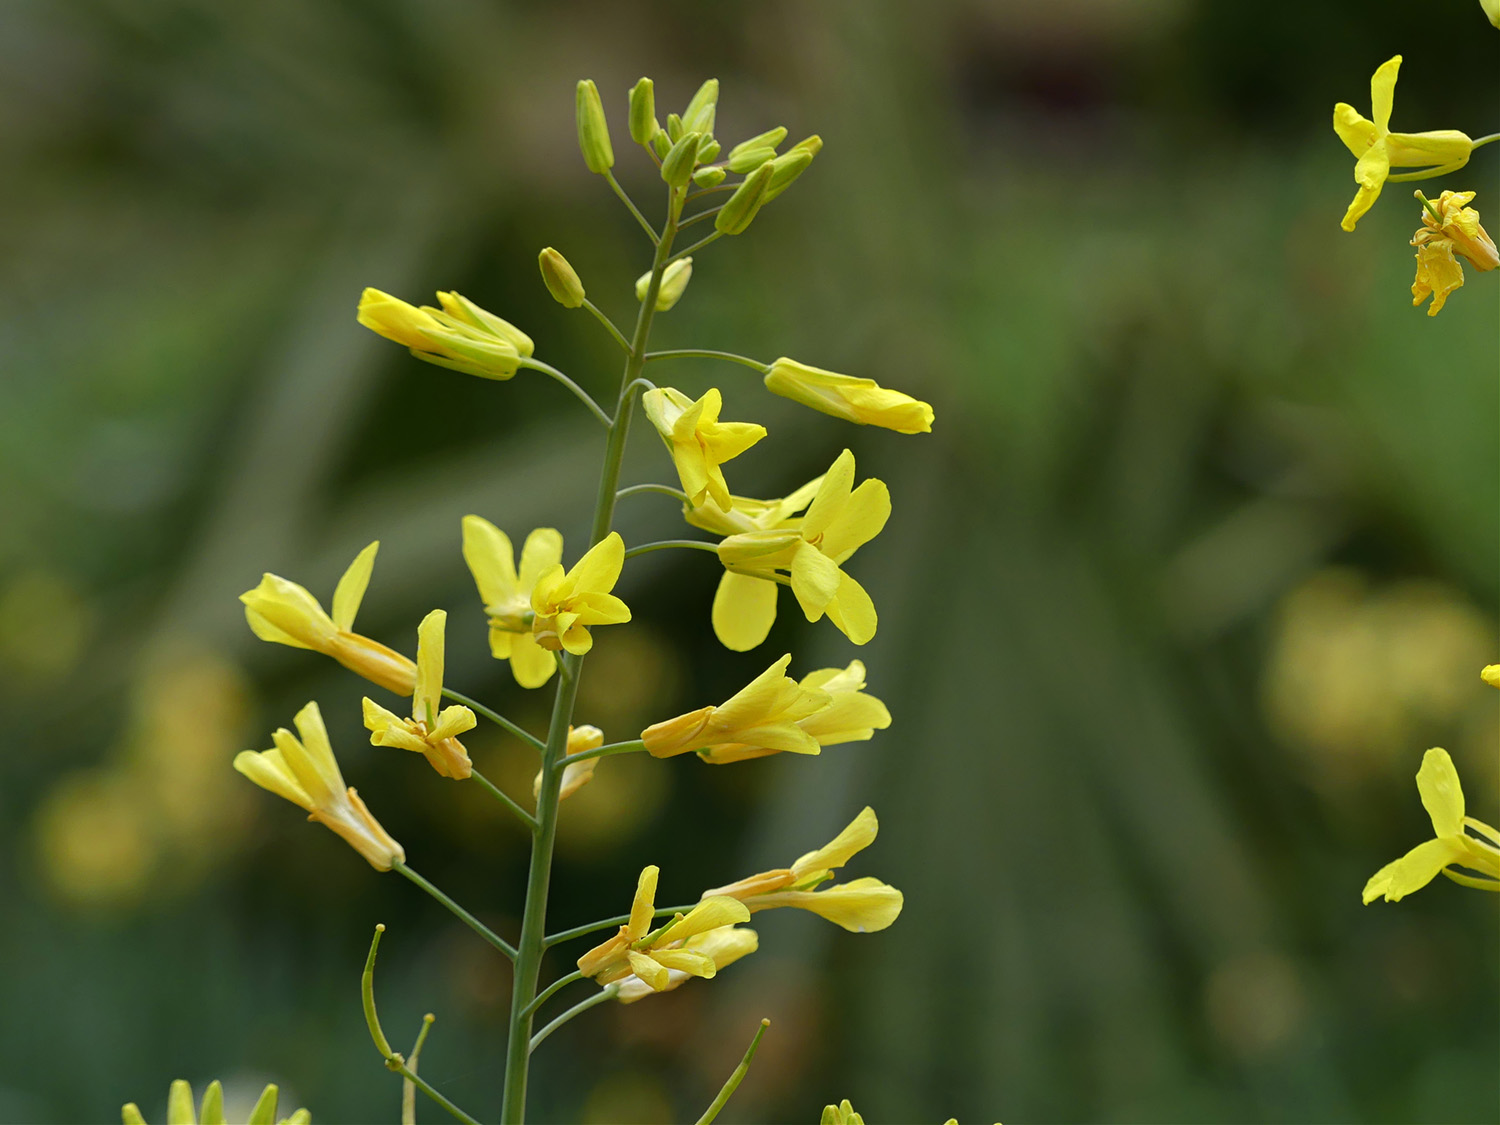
703	353
606	923
505	799
408	1087
614	186
614	748
695	247
715	190
463	915
663	544
664	489
609	324
555	987
539	873
582	395
701	215
606	993
1487	140
734	1079
495	717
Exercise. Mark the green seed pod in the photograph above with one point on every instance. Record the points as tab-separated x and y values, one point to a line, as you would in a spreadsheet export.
708	177
708	151
674	128
785	169
662	143
560	278
593	130
643	124
736	215
770	139
743	160
677	166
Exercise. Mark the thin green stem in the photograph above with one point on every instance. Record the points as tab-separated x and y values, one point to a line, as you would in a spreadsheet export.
664	489
408	1087
695	247
715	190
608	992
582	395
606	923
735	1079
609	324
1427	173
1472	881
463	915
614	186
1427	203
700	216
704	353
1487	140
642	383
610	751
663	544
505	799
552	989
495	717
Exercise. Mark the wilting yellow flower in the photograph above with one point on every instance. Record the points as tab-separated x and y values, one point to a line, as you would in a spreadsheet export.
1491	675
567	604
861	906
507	593
180	1108
651	955
287	614
840	520
460	335
578	774
432	730
1443	798
855	400
305	773
766	712
1378	150
698	441
723	947
1458	232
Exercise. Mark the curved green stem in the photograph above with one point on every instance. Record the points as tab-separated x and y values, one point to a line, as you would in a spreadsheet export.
663	544
609	324
1477	883
552	989
614	186
1427	173
606	923
735	1079
664	489
505	799
463	915
695	247
494	717
715	190
633	747
408	1087
582	395
608	992
704	353
701	215
1493	137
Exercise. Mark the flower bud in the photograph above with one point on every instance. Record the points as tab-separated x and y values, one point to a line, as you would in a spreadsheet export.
593	130
708	177
1491	9
743	160
643	124
770	139
862	401
673	283
674	128
737	214
677	166
560	278
708	151
788	167
662	143
699	115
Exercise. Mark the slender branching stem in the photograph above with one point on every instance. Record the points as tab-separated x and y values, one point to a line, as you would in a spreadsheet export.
496	718
704	353
505	799
641	384
608	992
607	923
459	912
695	247
1487	140
609	751
614	185
582	395
408	1087
663	544
715	190
609	324
552	989
664	489
735	1079
701	215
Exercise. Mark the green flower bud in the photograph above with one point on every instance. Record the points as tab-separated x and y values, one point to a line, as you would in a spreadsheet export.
708	150
674	128
662	143
699	115
709	177
786	168
593	130
736	215
130	1114
643	124
770	139
673	284
677	166
812	144
560	278
211	1111
264	1112
743	160
180	1103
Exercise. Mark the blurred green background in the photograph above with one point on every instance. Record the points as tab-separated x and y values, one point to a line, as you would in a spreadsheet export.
1200	558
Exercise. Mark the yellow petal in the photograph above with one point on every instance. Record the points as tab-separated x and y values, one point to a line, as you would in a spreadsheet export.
394	319
853	613
832	494
815	581
428	696
686	961
855	838
491	561
542	550
1383	92
599	569
709	914
1357	132
268	770
502	642
292	614
725	945
1414	870
530	663
677	735
314	740
643	906
858	521
452	722
649	970
744	611
759	698
851	717
862	906
1442	795
1491	675
351	588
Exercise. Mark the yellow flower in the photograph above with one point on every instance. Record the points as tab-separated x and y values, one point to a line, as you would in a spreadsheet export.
747	514
723	947
855	400
698	441
305	773
287	614
1491	675
1459	231
430	731
766	713
840	520
460	335
180	1108
1443	798
862	906
651	955
567	604
507	594
578	774
1378	150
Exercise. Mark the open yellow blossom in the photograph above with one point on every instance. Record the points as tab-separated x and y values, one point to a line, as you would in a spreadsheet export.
180	1108
861	906
507	593
460	335
723	947
431	731
766	712
862	401
840	520
577	774
1378	150
305	772
567	604
1456	231
698	441
1443	798
287	614
651	955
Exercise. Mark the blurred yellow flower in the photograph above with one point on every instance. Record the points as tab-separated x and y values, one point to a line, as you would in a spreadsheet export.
180	1108
1443	798
861	906
765	713
460	335
840	520
723	947
1456	230
577	774
507	593
287	614
1491	675
1378	150
305	772
567	604
698	441
862	401
430	731
651	955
